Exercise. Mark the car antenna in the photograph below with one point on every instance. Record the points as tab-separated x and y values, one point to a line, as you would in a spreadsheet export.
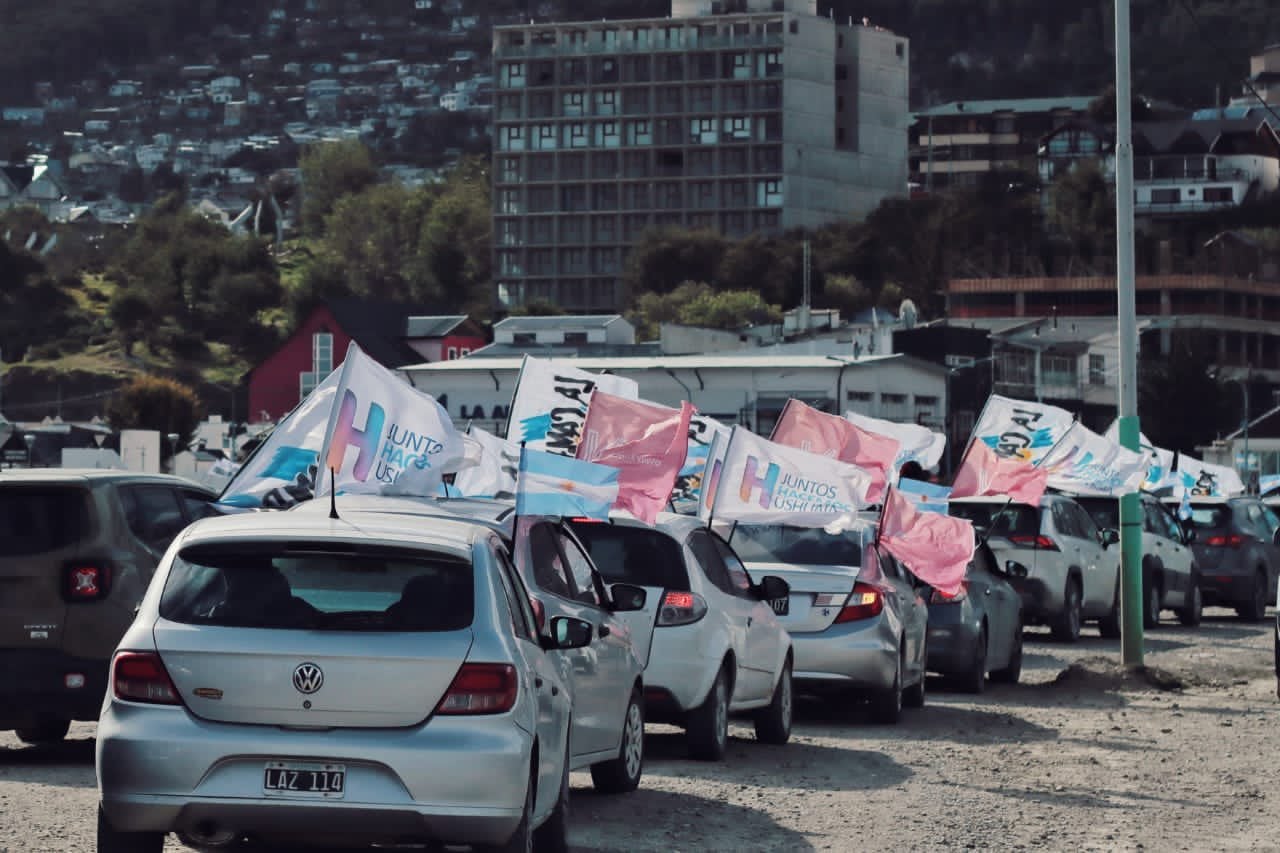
333	492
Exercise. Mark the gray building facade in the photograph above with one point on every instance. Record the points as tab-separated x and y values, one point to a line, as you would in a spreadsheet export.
734	116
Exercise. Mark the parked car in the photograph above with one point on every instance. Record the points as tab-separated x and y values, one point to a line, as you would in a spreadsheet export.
77	549
857	623
712	642
291	679
1170	575
978	631
604	678
1073	572
1236	550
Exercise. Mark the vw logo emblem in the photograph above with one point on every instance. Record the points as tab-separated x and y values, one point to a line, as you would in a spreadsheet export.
308	678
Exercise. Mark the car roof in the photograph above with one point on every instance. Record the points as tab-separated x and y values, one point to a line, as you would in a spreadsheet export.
496	515
34	476
674	524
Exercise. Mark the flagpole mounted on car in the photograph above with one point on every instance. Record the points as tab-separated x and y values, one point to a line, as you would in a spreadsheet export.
333	492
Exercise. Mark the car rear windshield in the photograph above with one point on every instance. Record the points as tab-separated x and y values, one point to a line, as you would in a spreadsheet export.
1015	520
319	590
1210	515
40	519
636	555
779	543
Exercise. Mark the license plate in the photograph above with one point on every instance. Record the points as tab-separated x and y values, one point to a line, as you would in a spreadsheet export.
781	606
308	781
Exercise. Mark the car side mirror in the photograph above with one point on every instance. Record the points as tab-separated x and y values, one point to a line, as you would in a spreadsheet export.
1108	536
1014	569
772	587
627	598
568	633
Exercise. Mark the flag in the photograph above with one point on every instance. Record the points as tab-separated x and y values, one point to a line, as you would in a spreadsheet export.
982	472
763	481
1159	461
1085	463
804	427
702	432
551	484
711	473
645	442
550	403
282	471
1019	429
387	437
937	548
495	474
927	497
1194	478
916	443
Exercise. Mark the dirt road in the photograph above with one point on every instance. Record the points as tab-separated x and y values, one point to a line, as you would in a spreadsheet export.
1080	756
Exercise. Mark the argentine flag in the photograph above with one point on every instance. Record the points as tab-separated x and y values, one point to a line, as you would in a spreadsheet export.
550	484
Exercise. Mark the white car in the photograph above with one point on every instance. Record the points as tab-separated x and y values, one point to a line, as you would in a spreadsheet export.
714	645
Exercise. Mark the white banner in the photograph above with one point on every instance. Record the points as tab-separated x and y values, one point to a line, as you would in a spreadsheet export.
1085	463
550	403
495	475
1196	479
761	481
1159	461
1020	429
917	443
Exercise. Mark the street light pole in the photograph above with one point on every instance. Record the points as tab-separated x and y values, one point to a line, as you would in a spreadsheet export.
1127	310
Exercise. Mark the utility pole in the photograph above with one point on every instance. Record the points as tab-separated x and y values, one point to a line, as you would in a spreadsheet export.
1130	507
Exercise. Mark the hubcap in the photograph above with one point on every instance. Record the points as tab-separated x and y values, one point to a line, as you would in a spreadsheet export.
633	753
722	712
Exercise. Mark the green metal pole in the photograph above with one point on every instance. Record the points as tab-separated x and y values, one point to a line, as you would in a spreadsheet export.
1126	300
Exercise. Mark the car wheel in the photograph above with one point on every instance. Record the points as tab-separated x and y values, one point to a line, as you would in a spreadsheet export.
622	774
886	705
111	840
553	835
1151	597
1193	607
1256	607
47	730
1066	627
1011	673
773	723
914	696
975	679
707	727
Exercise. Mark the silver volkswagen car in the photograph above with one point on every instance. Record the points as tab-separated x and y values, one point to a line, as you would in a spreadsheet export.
295	679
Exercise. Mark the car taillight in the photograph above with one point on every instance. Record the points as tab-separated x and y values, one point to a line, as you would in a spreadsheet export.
681	608
481	688
1040	542
864	602
141	677
1233	540
87	582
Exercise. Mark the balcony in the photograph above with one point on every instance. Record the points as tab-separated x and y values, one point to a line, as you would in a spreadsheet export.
592	48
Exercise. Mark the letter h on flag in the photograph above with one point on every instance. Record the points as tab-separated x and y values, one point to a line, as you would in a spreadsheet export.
550	484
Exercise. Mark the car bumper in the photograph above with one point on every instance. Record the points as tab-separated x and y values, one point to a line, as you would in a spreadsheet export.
953	639
860	655
35	685
1224	586
450	780
680	672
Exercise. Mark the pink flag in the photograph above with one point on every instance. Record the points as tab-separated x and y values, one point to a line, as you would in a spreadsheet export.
936	548
645	442
805	428
984	473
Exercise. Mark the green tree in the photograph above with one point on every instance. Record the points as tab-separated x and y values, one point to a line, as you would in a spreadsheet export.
845	293
129	313
34	309
453	261
373	235
1082	211
156	403
771	266
1182	404
329	171
696	303
663	259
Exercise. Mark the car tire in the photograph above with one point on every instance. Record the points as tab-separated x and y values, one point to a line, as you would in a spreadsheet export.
112	840
47	730
886	704
707	726
1256	607
1013	671
773	722
1152	596
1193	607
974	680
914	696
1066	626
1109	625
622	774
553	835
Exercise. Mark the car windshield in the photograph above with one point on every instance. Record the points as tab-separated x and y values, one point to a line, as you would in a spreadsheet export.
636	555
1104	511
1210	515
339	590
777	543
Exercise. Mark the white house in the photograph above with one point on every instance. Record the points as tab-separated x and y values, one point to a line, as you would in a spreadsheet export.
455	101
565	329
225	83
125	89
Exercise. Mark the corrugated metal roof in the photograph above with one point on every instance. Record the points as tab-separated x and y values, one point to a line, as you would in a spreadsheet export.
432	327
557	321
673	362
1016	105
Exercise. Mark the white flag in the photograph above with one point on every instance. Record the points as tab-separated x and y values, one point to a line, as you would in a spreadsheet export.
762	481
1194	478
1159	461
916	443
385	436
1085	463
495	475
550	403
282	471
1020	429
711	473
689	482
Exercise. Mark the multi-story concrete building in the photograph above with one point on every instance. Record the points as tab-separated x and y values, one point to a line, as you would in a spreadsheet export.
734	116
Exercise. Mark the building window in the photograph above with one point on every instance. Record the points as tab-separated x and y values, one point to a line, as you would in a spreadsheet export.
1057	370
607	134
702	131
509	169
573	197
606	103
1166	196
1218	194
862	398
573	260
738	128
571	103
524	338
575	337
575	135
511	75
511	138
1097	369
769	193
509	201
544	137
451	353
894	406
321	364
639	132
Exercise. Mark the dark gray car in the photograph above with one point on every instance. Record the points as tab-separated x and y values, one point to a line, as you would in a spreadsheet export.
1235	546
978	631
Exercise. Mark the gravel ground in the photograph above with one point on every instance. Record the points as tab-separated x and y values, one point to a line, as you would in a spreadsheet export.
1080	756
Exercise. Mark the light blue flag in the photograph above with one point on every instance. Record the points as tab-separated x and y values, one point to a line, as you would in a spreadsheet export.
550	484
928	497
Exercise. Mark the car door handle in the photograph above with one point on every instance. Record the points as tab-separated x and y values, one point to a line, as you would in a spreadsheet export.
537	682
603	630
988	590
750	619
